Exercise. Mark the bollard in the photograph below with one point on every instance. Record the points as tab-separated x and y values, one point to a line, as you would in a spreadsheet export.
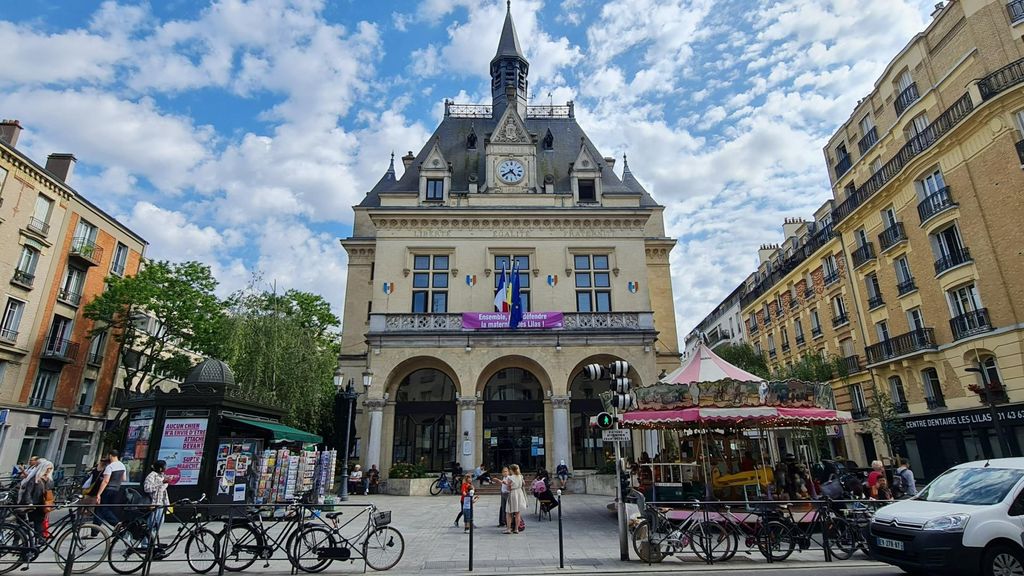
561	547
471	523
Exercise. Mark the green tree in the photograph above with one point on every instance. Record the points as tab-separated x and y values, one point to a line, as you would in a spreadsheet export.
812	368
158	317
744	356
283	349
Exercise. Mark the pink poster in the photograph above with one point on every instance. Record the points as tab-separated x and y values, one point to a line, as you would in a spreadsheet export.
498	320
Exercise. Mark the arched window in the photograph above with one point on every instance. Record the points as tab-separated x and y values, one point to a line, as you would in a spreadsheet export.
588	450
513	420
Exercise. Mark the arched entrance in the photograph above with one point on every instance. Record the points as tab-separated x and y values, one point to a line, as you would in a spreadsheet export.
513	420
425	430
587	447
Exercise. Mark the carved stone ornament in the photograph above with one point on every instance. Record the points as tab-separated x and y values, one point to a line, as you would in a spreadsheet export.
467	402
509	132
560	402
375	404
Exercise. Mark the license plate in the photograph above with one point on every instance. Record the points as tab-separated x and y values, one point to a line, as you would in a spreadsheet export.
890	543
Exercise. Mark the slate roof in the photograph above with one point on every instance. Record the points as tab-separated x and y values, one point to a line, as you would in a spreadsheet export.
508	44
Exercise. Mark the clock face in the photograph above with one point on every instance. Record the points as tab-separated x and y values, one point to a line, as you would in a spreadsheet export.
511	171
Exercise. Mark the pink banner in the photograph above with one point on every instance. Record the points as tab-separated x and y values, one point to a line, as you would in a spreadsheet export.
497	320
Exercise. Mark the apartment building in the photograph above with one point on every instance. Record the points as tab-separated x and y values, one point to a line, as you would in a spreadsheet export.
929	192
724	325
56	250
798	303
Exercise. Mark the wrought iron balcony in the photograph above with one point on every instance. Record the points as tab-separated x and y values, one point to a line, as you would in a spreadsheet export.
793	303
767	319
8	335
935	203
852	364
1016	10
86	251
60	349
906	98
84	409
800	340
859	414
863	255
892	236
816	331
69	296
843	165
23	279
44	403
901	407
780	311
1006	77
906	287
771	353
38	226
935	402
840	319
960	256
95	358
913	341
831	278
875	302
753	328
868	140
448	329
785	346
808	293
971	323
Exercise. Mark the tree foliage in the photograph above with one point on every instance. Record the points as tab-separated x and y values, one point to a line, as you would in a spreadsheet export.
156	317
812	368
283	349
744	356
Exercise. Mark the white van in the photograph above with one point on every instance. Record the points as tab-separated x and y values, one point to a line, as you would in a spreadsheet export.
969	520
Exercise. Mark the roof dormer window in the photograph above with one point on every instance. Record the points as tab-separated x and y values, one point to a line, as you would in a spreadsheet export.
435	190
549	141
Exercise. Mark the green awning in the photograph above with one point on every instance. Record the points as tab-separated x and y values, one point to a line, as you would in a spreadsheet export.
282	432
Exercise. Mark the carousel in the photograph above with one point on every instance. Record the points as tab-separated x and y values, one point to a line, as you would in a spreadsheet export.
712	430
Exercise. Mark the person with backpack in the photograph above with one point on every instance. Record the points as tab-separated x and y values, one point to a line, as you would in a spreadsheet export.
903	479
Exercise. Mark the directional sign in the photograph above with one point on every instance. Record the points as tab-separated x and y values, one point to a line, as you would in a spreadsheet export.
615	435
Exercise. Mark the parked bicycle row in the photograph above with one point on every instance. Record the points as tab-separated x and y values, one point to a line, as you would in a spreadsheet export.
714	531
309	537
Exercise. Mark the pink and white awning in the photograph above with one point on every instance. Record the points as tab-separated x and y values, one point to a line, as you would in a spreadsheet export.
752	416
706	366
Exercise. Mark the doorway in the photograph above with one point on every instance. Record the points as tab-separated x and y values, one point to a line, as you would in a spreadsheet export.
869	448
513	421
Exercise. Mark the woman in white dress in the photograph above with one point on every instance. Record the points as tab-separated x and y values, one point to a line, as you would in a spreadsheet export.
516	499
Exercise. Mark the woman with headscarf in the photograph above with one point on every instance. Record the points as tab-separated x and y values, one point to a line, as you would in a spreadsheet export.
35	490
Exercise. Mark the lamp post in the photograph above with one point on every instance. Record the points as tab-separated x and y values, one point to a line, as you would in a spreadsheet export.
348	395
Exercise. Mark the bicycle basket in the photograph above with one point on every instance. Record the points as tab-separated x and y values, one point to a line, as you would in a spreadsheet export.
381	518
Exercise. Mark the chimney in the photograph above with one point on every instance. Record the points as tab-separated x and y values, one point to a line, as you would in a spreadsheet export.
408	159
9	132
609	161
61	166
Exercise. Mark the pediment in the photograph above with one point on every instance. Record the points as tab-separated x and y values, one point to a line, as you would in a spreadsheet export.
435	159
585	161
510	129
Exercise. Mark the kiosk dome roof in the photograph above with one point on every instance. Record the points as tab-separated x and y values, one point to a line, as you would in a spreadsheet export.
211	372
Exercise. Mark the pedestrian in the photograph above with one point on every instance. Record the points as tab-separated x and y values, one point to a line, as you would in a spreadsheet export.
880	491
36	490
155	487
91	486
907	483
516	499
355	480
468	499
877	471
464	488
562	471
110	489
481	475
372	480
502	520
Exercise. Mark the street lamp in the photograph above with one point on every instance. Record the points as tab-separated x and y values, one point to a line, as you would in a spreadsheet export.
1004	444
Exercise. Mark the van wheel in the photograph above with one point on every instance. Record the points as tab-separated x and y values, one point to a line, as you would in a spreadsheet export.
1003	561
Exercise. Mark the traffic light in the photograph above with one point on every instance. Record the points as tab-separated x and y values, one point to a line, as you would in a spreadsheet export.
623	402
605	420
593	371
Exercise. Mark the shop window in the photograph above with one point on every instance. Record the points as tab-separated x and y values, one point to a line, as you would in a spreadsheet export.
35	443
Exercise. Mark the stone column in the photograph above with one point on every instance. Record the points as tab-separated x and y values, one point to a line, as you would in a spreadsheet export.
560	420
466	445
375	410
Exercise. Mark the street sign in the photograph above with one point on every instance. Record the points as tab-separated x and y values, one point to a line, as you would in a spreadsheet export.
615	435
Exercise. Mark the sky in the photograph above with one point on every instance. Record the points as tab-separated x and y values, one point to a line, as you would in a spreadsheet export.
240	133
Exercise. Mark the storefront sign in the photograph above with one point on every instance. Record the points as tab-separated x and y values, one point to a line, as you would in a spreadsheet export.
45	420
181	446
493	320
1008	414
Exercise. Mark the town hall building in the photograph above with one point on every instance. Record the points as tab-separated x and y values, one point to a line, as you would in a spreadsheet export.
500	187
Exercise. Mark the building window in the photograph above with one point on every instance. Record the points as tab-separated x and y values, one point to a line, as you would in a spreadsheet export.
435	189
874	291
430	284
86	396
915	319
898	394
771	345
990	372
25	272
97	347
860	404
904	279
593	283
798	330
35	443
784	336
40	221
757	348
815	323
830	269
71	289
85	232
43	389
931	184
839	311
11	320
882	331
521	261
588	190
120	259
964	300
948	248
932	388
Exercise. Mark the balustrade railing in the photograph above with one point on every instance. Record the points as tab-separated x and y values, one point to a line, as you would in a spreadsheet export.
910	342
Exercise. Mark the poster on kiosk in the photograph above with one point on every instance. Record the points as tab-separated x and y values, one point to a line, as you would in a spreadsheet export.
181	447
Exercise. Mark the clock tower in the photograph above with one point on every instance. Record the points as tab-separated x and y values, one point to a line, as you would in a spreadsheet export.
510	155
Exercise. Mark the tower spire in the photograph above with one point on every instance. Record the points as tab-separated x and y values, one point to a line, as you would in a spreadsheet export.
391	167
509	69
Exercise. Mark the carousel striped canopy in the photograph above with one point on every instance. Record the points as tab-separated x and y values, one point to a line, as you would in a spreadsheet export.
706	366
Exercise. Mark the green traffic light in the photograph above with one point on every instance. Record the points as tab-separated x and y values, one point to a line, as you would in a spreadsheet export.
604	420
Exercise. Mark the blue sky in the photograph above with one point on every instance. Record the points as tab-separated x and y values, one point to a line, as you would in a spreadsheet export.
240	133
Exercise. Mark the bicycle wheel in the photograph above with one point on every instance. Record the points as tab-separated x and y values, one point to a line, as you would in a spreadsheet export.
842	539
303	548
13	546
646	548
127	554
710	540
435	487
776	540
734	544
201	551
244	544
383	548
90	543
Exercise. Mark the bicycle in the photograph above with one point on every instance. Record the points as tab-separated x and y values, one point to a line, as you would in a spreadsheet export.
657	536
133	543
443	484
380	544
755	536
20	545
249	538
785	534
